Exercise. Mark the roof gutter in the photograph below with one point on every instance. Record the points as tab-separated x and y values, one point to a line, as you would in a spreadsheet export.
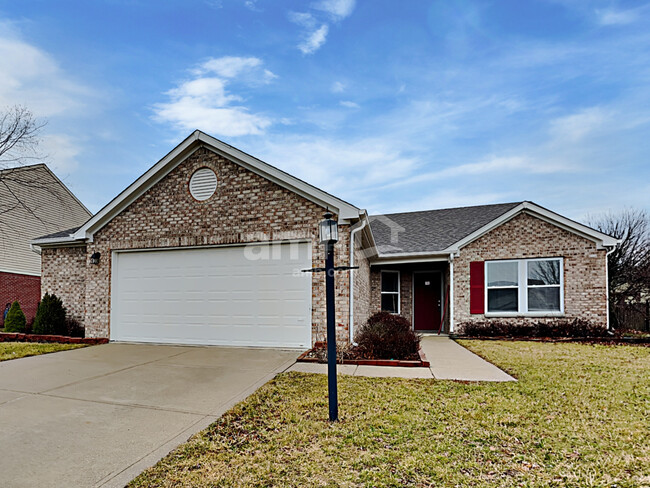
405	258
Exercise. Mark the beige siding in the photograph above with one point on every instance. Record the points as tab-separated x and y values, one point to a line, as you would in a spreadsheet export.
33	203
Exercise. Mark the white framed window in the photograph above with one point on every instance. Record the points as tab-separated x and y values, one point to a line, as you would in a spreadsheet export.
524	286
390	291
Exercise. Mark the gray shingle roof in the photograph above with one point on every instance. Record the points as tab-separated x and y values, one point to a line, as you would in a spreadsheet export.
431	230
61	233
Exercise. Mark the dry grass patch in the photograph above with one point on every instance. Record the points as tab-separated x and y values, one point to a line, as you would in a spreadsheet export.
15	350
577	417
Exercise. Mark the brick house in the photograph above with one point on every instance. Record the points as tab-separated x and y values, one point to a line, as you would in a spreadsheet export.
207	247
33	201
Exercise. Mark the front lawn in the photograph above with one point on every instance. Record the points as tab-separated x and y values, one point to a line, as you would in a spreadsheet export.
15	350
577	417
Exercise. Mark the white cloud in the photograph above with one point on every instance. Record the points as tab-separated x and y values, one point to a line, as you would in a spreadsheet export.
348	104
314	40
61	152
205	102
30	76
339	9
342	167
316	27
338	87
577	126
252	6
228	66
617	17
303	19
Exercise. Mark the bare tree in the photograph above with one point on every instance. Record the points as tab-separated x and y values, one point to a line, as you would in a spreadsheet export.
19	136
629	263
19	146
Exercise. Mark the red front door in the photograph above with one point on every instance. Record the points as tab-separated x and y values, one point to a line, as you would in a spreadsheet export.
426	300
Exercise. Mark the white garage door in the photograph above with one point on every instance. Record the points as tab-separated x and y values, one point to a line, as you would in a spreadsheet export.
242	296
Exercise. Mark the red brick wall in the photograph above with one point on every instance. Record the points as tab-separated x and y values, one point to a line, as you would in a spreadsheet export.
24	288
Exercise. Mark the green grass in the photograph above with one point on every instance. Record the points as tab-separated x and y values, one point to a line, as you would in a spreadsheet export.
577	417
15	350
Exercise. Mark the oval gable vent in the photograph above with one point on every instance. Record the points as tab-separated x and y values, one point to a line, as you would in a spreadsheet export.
203	184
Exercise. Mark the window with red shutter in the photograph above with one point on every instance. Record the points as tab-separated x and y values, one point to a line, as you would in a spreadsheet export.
476	287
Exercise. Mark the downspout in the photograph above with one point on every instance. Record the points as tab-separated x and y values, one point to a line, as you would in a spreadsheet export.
353	231
451	292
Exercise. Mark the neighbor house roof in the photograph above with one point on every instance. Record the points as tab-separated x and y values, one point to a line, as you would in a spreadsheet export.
445	231
196	140
33	201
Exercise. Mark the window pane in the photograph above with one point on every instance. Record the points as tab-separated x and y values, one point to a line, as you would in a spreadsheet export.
544	272
503	300
503	274
389	281
389	302
544	299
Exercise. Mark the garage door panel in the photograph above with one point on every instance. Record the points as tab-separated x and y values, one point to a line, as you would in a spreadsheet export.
213	296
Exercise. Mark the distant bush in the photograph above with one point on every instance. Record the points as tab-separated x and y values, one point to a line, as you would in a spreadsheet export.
387	336
50	316
15	321
553	328
74	328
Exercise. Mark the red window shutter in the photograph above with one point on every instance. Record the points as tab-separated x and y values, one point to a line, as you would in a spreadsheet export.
476	287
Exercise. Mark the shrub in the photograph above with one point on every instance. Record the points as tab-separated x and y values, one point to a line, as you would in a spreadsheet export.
387	336
74	328
553	328
50	316
15	321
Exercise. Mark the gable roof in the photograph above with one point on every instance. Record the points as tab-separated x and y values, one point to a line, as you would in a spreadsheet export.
33	201
431	231
446	231
196	140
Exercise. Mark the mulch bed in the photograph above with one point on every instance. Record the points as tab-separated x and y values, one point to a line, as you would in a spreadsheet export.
19	337
317	355
643	341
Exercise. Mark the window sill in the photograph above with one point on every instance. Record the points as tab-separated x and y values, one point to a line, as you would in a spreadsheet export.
526	314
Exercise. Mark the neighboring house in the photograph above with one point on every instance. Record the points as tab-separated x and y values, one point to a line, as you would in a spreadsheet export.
33	201
207	247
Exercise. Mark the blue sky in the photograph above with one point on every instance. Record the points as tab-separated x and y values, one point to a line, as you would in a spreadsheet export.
391	105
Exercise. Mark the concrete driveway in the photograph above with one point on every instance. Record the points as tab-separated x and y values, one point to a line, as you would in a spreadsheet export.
98	416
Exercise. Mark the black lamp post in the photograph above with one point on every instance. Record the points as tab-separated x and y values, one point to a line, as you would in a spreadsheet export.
329	234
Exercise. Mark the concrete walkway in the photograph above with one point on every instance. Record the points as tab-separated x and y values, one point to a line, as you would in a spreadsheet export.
449	361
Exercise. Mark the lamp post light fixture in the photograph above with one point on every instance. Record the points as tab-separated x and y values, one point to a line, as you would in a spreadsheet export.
328	230
328	233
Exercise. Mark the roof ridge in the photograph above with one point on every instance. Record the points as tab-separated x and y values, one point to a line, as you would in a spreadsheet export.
22	167
451	208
